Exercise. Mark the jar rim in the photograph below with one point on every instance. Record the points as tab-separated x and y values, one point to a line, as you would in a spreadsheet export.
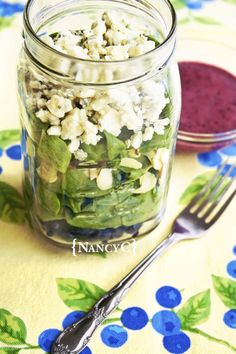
33	35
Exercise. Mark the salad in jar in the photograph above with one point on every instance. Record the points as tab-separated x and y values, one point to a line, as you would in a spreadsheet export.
97	157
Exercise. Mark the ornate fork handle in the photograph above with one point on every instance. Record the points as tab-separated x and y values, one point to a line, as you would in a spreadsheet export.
75	338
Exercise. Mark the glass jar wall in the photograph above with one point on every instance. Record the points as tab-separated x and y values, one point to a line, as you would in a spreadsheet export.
97	136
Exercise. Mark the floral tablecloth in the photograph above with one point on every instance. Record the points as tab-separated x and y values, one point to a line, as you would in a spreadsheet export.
186	301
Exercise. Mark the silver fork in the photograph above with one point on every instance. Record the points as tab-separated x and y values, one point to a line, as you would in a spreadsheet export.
202	212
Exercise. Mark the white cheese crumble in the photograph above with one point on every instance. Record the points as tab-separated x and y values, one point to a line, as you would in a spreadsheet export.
80	115
110	37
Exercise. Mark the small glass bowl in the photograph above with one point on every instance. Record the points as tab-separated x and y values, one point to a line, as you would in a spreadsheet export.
214	47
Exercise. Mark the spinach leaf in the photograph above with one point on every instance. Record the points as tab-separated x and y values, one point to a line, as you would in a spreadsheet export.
54	151
97	152
74	204
139	208
77	184
115	146
154	39
93	221
48	200
158	141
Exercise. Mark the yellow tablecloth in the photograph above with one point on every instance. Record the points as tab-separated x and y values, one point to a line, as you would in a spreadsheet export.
40	284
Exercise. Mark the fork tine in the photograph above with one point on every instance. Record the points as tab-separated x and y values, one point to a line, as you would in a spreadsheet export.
216	202
207	186
222	209
212	194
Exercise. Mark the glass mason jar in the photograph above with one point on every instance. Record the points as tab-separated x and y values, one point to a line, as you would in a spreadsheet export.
107	180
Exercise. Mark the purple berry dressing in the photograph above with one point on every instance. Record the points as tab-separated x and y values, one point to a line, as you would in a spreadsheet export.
209	99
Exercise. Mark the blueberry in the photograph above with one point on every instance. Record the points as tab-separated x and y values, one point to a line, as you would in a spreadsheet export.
1	170
166	323
168	297
210	159
231	269
178	343
1	152
72	318
226	169
229	150
134	318
114	336
14	152
47	338
230	319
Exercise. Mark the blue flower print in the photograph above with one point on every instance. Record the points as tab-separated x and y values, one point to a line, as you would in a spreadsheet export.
9	9
114	336
229	150
134	318
230	319
210	159
1	152
226	169
231	269
1	170
234	250
72	318
166	323
194	4
177	343
14	152
47	338
168	297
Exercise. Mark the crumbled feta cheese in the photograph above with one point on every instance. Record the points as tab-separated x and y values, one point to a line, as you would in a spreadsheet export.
160	124
74	145
110	37
131	163
148	134
46	117
86	93
111	121
59	106
99	103
147	183
104	179
54	130
136	140
72	125
81	155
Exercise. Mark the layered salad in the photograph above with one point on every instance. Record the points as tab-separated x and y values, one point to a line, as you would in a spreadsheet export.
97	157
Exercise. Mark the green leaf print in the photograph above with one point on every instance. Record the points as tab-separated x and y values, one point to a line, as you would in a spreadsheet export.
178	4
8	350
12	329
5	22
12	206
79	294
226	290
196	186
196	310
7	137
206	20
